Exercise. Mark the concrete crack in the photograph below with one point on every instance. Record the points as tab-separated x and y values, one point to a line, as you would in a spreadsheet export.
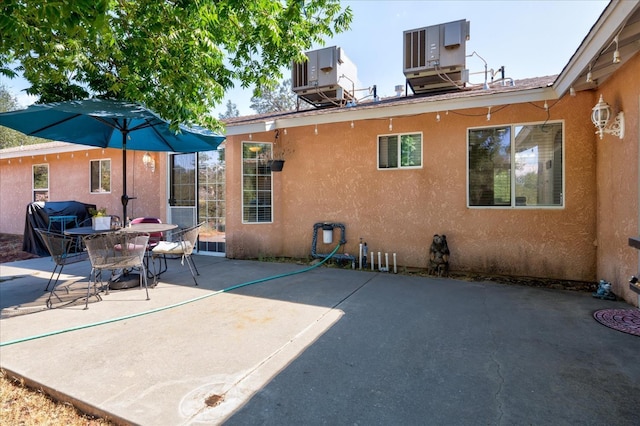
498	393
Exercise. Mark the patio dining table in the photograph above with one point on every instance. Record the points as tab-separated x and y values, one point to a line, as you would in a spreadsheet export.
139	227
127	280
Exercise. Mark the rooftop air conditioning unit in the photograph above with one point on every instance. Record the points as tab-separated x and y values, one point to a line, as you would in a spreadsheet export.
434	57
327	78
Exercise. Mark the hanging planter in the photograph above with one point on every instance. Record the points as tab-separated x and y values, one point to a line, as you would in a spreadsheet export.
276	165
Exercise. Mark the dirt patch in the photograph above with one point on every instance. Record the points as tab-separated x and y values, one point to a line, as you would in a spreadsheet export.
11	249
551	283
556	284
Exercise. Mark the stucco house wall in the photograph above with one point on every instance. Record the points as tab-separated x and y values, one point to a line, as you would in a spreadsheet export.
333	177
618	183
69	179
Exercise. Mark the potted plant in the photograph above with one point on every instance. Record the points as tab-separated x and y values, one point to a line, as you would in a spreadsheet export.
100	221
279	153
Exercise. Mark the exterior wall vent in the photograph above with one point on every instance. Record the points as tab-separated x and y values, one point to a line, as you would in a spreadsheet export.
326	79
434	57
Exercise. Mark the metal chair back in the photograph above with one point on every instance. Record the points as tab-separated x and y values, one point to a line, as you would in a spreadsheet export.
182	244
117	251
59	246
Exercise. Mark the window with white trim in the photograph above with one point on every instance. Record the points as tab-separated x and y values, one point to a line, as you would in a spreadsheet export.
400	151
256	183
100	176
516	166
40	182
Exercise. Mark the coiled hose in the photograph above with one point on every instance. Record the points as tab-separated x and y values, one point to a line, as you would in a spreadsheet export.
164	308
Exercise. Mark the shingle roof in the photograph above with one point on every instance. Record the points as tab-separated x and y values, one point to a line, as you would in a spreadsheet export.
469	92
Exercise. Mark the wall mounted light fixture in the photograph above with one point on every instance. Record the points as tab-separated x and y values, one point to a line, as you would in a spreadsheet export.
149	162
600	116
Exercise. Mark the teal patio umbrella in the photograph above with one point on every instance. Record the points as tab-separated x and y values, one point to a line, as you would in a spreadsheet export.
109	124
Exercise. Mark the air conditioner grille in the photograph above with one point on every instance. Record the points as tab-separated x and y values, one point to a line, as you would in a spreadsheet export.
414	42
300	75
434	56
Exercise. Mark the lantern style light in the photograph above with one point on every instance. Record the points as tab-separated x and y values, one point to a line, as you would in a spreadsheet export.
600	116
149	162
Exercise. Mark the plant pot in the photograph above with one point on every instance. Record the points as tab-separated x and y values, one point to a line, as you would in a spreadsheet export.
101	223
276	165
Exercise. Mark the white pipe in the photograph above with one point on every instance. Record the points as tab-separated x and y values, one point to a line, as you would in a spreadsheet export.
360	258
386	262
372	260
379	260
395	268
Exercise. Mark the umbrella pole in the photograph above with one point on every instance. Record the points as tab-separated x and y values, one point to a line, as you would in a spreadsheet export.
125	198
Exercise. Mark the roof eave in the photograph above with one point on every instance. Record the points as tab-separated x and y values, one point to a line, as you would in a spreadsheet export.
610	22
391	111
43	149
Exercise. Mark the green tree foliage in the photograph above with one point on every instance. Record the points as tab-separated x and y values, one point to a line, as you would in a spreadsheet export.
176	57
7	101
275	99
232	111
8	137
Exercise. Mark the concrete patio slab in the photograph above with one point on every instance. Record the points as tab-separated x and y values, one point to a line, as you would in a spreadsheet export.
326	346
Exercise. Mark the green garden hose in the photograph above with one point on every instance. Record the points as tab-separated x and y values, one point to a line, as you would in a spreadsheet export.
164	308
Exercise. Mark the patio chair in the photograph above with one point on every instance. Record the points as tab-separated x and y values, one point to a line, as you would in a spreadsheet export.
154	239
182	244
60	248
114	251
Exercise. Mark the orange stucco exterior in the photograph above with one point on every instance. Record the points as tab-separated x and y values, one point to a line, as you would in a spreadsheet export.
69	179
332	176
618	183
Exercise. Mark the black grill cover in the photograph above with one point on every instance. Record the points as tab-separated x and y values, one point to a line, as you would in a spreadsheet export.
38	217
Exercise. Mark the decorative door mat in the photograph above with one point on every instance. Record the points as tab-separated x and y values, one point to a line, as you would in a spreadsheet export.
625	320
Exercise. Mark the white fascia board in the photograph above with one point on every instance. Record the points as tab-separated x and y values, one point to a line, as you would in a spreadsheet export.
43	149
391	111
607	26
243	129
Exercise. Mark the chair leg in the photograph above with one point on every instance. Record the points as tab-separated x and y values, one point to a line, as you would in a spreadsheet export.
189	264
48	303
52	274
143	277
93	275
150	264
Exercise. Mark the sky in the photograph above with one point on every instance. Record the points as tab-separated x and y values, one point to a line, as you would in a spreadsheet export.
529	38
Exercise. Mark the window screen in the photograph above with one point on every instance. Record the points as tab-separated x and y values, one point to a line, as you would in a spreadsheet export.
400	151
520	165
